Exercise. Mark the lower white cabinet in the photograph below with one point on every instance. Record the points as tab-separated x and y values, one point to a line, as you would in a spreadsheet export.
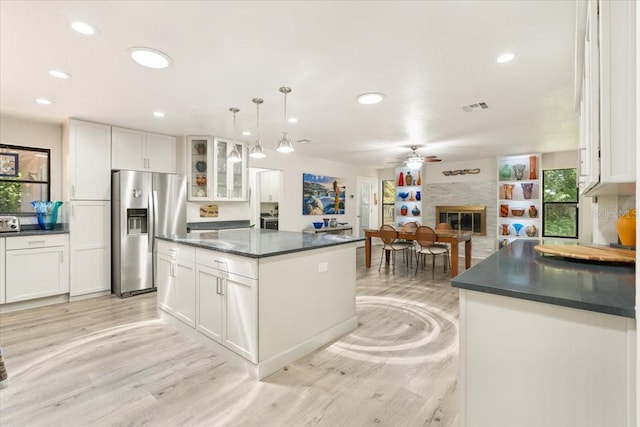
176	281
36	266
227	310
90	247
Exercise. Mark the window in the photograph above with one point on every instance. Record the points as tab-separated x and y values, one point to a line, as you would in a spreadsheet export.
464	218
388	201
560	203
24	177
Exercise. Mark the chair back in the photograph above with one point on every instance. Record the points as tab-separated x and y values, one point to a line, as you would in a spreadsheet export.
388	234
443	226
425	236
410	227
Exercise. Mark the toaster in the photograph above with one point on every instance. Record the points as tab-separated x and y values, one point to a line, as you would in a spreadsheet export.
9	223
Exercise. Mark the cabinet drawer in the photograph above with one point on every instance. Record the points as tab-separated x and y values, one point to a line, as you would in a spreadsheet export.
36	241
243	266
176	251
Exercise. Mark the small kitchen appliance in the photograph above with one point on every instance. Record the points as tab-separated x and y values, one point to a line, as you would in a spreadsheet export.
9	223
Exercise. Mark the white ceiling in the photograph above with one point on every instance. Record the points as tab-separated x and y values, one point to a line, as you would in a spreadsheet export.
429	57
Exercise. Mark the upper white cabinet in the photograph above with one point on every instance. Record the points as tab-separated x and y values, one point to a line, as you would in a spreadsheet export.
212	177
608	127
270	186
87	154
142	151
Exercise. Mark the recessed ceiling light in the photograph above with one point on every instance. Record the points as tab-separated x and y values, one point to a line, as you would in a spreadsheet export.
44	101
83	28
505	57
59	74
158	113
370	98
151	58
293	120
246	133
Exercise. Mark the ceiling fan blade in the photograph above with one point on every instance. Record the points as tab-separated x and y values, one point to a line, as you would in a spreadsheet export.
432	160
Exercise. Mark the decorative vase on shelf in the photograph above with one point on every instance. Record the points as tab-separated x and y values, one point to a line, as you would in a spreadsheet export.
527	189
412	198
404	210
401	180
415	211
418	196
533	174
508	191
408	179
517	227
505	173
505	229
531	230
504	210
626	227
518	170
419	181
533	211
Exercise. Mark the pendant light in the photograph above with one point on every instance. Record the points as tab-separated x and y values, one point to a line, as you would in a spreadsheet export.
256	151
285	145
234	155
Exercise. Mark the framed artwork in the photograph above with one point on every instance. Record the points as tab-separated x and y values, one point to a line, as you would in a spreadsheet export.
322	195
8	164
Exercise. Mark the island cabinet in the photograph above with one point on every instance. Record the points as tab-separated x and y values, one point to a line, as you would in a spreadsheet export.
289	295
36	267
175	281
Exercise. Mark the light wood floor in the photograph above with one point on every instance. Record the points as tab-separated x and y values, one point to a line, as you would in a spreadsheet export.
111	362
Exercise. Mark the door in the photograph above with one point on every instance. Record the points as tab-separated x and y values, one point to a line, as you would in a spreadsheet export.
89	161
209	302
165	282
364	207
241	316
128	149
36	273
185	292
161	153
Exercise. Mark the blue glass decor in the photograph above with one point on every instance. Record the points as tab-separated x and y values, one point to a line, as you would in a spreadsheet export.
518	227
47	213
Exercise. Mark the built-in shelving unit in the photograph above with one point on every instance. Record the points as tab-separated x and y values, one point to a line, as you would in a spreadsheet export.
519	198
408	205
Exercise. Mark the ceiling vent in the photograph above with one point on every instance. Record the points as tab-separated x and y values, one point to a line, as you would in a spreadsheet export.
475	107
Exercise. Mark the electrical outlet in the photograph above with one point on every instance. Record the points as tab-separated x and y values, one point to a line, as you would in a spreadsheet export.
322	267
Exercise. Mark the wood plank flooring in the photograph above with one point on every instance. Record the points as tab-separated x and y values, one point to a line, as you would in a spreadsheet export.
112	362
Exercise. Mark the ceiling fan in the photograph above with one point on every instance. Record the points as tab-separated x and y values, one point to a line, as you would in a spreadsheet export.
415	161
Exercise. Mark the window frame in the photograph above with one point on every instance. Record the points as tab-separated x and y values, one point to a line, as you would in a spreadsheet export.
382	202
46	182
575	204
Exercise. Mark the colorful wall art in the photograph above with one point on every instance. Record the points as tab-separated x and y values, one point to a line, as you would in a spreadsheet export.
322	195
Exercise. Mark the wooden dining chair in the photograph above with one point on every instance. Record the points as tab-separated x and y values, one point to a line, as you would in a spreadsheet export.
391	245
443	226
426	239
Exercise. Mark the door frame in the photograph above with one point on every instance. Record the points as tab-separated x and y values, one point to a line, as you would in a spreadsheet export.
373	211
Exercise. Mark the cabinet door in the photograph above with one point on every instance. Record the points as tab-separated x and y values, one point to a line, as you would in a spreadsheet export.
90	247
184	297
88	146
241	316
128	149
36	273
230	179
2	275
200	168
165	283
161	153
269	186
209	302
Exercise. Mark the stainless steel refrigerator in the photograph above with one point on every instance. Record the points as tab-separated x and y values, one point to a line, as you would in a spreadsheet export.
143	205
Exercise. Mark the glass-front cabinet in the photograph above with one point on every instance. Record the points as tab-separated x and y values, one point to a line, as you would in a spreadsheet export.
211	176
230	179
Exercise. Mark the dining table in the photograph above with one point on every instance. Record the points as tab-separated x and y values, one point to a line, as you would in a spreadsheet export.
453	237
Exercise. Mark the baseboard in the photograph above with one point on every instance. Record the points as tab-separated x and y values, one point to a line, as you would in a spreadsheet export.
38	302
90	295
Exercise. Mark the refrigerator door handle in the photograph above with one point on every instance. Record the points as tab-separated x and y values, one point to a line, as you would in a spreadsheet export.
151	217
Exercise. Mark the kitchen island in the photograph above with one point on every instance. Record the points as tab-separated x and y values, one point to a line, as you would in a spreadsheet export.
260	298
546	341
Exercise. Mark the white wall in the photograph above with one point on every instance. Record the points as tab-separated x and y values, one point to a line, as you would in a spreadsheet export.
16	131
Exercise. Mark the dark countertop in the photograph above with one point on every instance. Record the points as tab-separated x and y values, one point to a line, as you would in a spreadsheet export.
259	243
218	225
518	271
34	230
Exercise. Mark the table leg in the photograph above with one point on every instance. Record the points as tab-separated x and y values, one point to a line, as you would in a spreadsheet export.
367	252
454	259
467	254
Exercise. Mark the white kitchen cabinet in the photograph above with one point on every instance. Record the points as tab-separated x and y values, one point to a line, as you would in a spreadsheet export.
2	269
90	247
176	281
608	123
142	151
87	154
199	168
36	266
270	186
229	179
228	309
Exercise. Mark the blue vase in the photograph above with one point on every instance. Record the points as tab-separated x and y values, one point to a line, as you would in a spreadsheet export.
46	213
418	196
